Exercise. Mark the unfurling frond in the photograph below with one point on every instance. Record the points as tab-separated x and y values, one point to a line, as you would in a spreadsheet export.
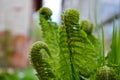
40	62
77	50
72	53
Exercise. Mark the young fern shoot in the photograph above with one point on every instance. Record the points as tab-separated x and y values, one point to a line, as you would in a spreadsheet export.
79	51
46	65
44	71
67	52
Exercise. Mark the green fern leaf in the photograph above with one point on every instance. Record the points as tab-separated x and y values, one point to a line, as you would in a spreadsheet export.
50	34
64	62
88	28
71	54
40	62
78	50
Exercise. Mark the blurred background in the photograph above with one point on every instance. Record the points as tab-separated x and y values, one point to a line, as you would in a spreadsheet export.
19	28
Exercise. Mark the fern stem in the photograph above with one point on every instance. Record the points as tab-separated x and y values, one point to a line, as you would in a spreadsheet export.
70	53
64	56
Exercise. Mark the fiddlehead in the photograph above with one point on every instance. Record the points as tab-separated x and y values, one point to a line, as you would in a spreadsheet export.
80	48
71	20
76	52
64	56
88	28
50	30
40	62
45	12
105	73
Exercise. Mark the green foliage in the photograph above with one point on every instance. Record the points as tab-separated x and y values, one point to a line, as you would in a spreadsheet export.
64	56
105	73
68	52
78	50
45	12
118	46
39	62
87	26
71	17
49	34
113	59
25	74
49	30
116	68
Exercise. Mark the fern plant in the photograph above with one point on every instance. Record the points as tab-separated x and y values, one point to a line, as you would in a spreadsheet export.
67	52
110	70
40	54
104	72
113	59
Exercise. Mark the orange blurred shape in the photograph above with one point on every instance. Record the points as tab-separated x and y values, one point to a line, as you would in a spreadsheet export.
20	56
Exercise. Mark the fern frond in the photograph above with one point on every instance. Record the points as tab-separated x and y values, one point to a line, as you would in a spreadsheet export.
71	53
64	67
50	30
40	62
80	51
50	34
88	28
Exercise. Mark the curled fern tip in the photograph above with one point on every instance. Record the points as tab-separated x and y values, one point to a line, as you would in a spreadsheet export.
45	12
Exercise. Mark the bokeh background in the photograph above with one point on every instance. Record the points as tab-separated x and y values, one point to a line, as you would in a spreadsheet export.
19	28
